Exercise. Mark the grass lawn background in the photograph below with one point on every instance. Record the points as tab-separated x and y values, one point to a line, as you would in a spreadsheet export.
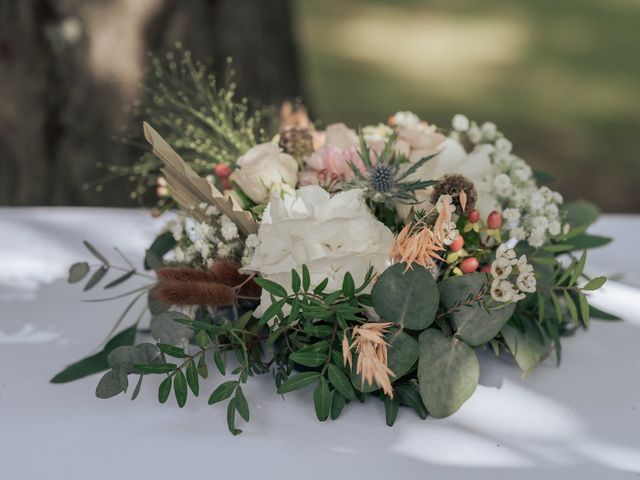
560	78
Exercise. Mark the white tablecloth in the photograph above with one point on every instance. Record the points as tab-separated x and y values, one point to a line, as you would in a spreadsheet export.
579	421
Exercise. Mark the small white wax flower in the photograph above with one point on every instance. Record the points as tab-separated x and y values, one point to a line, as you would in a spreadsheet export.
503	251
460	123
526	282
406	119
502	291
501	268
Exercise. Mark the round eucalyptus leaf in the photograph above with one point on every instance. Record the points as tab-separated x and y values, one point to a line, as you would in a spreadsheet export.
77	272
409	298
402	354
125	358
448	372
111	384
476	322
165	329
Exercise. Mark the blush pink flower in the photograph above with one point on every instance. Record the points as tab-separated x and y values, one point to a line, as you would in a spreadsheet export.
336	161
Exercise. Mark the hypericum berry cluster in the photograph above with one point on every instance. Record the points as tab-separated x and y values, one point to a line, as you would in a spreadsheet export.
512	277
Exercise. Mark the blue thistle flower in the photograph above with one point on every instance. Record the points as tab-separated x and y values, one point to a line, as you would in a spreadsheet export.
381	178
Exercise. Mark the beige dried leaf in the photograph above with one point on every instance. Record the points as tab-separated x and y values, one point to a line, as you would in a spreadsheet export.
463	200
190	190
371	347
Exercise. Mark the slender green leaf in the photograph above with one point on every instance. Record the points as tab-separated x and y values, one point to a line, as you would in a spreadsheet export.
322	400
120	279
272	287
573	312
171	350
156	368
298	381
391	406
348	285
337	404
180	388
340	381
584	308
164	390
306	278
96	277
308	359
231	417
295	281
241	404
217	359
223	391
595	283
96	253
98	362
192	378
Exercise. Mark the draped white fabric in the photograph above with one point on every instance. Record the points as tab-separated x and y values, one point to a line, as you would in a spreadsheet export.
578	421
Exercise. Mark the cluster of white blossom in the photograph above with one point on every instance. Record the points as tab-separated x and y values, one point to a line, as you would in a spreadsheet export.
532	213
203	242
512	277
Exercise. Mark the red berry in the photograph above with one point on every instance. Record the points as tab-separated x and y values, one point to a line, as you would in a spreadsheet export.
494	220
469	265
474	216
456	245
226	184
485	268
221	170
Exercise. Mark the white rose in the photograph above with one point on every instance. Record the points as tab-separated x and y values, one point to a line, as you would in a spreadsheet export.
263	168
330	235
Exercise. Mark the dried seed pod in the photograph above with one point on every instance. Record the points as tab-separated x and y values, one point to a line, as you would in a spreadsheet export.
452	184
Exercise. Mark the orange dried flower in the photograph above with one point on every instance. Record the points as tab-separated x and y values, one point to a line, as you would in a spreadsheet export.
371	347
420	243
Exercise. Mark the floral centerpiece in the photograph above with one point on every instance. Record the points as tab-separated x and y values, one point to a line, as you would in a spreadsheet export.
358	263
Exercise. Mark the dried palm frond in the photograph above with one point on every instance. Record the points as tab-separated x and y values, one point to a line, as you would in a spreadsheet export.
190	190
371	348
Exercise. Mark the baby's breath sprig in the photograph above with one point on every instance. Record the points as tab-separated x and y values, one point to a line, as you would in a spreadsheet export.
199	114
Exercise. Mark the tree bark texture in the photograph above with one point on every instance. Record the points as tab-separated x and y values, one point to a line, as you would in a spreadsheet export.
68	69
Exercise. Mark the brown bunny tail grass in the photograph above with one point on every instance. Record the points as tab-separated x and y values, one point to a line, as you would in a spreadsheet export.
194	293
184	274
226	271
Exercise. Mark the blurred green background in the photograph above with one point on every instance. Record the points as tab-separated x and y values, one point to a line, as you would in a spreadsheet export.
560	78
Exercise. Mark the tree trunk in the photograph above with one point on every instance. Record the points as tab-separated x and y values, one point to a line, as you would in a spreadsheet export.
68	70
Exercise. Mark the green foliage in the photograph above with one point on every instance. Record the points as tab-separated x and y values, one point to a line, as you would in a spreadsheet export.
476	316
448	372
403	353
98	362
527	345
406	297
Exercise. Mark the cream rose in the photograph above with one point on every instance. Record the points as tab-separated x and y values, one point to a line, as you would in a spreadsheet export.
262	168
330	235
